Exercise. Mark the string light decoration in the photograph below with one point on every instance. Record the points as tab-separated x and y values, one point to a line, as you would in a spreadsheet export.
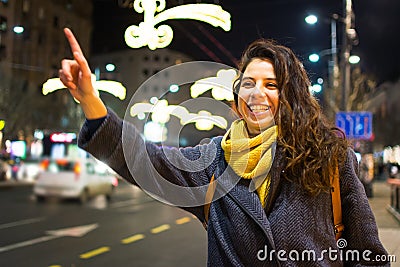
147	33
220	85
161	111
112	87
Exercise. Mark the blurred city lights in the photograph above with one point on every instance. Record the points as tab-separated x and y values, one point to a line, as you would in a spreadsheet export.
18	29
155	132
141	116
147	34
111	87
354	59
315	88
311	19
110	67
161	112
220	85
313	57
153	100
174	88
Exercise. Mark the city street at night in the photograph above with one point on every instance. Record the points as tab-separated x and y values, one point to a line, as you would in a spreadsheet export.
131	230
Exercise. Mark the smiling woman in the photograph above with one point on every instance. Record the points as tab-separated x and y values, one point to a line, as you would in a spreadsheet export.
272	170
258	98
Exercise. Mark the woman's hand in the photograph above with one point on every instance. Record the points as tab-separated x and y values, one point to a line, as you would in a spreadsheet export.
75	74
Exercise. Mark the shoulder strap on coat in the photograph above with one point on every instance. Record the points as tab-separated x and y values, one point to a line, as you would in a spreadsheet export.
336	204
209	196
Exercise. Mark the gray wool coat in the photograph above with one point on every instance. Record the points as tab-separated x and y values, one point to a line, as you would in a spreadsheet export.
294	229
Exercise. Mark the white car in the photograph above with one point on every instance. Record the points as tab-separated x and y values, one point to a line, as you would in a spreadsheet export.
79	179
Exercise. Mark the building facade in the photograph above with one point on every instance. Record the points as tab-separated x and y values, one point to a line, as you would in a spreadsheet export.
32	44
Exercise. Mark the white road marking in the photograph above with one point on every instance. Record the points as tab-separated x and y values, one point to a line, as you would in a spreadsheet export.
28	243
77	231
23	222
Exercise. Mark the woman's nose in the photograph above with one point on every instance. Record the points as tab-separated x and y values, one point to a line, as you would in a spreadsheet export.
258	92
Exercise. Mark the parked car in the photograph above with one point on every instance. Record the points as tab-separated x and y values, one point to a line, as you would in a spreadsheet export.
24	170
79	179
5	171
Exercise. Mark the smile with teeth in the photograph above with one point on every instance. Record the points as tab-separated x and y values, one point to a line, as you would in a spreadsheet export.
259	108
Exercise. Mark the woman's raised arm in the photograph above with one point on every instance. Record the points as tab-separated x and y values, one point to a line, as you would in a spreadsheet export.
75	74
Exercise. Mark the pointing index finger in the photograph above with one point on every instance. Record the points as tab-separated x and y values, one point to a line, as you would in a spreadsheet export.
77	52
73	43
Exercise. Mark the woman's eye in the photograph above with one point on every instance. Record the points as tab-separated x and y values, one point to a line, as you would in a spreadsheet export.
247	84
272	85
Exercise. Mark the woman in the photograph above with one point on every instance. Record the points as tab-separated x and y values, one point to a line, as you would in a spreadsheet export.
287	220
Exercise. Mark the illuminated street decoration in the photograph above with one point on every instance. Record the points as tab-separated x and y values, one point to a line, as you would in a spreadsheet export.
220	85
147	34
161	111
62	137
155	132
111	87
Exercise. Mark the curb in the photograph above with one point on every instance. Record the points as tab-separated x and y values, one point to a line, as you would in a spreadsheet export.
8	184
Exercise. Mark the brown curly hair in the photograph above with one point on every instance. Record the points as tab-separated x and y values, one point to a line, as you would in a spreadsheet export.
312	145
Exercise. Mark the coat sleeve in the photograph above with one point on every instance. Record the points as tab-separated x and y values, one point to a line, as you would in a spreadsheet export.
360	240
161	171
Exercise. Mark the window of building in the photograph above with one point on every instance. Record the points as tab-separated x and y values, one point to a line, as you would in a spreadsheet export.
41	13
26	6
3	24
69	5
2	51
41	38
56	22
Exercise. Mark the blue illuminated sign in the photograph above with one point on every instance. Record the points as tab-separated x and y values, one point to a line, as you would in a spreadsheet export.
356	125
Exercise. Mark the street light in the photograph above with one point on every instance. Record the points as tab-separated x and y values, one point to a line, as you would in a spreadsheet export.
354	59
333	64
313	57
311	19
110	67
18	29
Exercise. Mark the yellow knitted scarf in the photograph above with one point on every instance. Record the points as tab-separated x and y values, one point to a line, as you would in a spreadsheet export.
250	158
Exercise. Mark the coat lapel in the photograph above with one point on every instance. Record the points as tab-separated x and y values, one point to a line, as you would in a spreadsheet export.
248	201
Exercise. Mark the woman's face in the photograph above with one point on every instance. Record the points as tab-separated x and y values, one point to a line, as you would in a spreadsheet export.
258	99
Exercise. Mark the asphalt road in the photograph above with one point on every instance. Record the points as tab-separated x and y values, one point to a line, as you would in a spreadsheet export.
130	230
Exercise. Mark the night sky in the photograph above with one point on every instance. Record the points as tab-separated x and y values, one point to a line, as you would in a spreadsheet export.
377	24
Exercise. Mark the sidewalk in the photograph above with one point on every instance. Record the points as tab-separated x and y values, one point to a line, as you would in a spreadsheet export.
389	227
13	183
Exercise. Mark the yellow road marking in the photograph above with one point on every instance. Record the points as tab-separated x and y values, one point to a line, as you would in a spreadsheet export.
160	229
132	239
55	266
95	252
183	220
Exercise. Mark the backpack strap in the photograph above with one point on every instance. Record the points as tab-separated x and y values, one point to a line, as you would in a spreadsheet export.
336	204
209	196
